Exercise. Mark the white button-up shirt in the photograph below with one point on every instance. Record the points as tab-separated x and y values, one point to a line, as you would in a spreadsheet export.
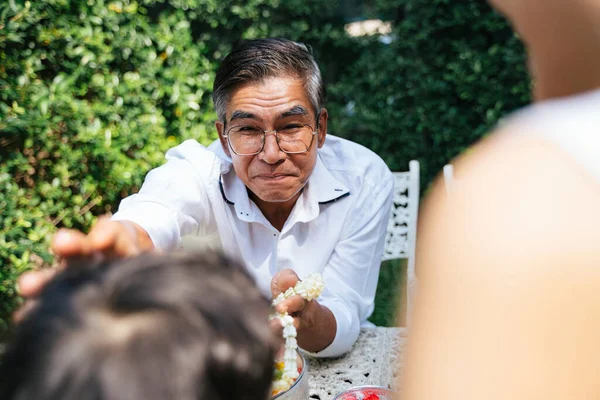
337	226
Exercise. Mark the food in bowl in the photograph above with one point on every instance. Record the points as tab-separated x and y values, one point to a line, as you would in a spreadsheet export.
281	385
300	388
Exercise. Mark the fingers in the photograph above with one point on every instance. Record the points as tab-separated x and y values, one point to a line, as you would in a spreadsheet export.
276	328
105	234
70	242
107	238
24	310
295	307
114	238
126	244
31	283
283	280
292	305
110	238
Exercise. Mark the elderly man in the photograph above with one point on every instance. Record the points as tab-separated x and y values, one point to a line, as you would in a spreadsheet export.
277	195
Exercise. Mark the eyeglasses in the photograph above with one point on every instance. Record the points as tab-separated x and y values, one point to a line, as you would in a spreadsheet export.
248	140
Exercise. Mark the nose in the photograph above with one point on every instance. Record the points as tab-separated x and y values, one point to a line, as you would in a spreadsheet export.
271	153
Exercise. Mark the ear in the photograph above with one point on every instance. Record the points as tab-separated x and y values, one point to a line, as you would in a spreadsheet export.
322	127
224	143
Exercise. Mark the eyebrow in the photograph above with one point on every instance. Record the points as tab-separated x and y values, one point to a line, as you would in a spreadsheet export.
294	111
238	114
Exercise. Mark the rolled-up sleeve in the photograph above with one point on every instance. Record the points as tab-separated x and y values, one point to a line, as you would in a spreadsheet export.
171	203
353	270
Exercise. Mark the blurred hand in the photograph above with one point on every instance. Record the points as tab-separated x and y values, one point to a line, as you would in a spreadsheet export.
109	239
106	240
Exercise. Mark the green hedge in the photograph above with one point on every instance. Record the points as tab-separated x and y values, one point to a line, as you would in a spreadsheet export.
453	70
93	92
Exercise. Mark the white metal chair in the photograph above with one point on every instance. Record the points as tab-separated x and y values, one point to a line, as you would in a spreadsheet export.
400	241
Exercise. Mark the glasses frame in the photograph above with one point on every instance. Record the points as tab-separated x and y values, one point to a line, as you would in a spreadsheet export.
264	140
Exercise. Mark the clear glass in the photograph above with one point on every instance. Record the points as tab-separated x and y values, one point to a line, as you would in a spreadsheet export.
248	140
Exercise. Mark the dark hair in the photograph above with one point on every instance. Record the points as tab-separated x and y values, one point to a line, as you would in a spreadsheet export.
255	60
168	327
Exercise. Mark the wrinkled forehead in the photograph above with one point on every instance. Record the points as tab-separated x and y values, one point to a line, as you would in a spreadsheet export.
284	95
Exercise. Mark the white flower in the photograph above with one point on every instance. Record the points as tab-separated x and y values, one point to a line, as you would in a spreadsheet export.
301	289
286	320
278	299
310	289
290	354
289	332
289	292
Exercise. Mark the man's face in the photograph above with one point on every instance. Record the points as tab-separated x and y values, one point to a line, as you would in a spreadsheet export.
274	104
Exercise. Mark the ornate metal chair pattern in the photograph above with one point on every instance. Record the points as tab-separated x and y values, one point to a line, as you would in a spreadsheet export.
400	241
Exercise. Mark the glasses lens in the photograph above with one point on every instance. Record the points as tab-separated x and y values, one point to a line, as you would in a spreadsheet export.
295	138
246	139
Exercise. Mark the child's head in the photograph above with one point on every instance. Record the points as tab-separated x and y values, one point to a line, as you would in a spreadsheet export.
164	327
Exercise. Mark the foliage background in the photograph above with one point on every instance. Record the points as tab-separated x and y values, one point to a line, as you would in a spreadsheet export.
93	92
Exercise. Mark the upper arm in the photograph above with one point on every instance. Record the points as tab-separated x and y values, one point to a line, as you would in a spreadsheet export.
352	271
171	203
354	264
509	271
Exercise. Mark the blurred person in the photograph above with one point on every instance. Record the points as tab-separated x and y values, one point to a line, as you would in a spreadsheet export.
177	327
274	192
509	264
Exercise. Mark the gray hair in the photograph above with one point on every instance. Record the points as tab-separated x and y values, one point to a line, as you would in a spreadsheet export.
256	60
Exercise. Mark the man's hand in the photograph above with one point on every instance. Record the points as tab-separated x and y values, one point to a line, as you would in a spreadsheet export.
111	239
314	322
107	239
294	305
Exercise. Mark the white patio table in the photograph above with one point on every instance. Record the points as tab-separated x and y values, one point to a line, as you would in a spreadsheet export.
375	359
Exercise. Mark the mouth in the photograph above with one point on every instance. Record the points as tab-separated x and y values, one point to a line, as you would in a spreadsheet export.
273	177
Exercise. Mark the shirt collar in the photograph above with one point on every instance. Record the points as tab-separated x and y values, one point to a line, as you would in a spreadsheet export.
322	188
234	192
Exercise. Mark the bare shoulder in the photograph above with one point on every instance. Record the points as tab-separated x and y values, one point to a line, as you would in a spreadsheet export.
508	277
518	193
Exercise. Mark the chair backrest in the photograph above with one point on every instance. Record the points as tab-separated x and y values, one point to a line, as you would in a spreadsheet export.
400	241
448	177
